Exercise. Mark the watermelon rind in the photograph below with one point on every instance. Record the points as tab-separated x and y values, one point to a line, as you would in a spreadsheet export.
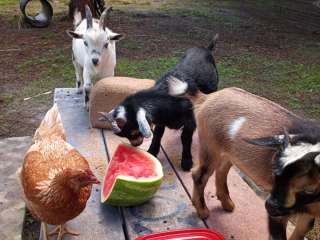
129	191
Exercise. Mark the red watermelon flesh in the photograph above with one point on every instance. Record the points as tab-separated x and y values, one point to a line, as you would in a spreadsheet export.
139	169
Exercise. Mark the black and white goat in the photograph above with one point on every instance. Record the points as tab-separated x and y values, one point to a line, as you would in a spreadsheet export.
231	123
132	118
94	49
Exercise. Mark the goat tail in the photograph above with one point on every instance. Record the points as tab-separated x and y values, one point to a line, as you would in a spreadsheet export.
213	43
77	18
51	126
179	88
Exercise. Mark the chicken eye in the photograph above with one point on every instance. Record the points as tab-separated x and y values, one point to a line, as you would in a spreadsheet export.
85	43
106	45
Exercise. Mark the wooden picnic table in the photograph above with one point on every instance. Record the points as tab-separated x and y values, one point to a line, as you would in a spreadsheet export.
170	208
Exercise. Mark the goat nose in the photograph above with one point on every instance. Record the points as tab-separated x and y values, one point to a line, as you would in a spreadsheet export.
275	209
95	61
270	203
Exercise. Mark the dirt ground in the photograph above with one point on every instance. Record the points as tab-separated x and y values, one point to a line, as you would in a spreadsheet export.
34	61
259	50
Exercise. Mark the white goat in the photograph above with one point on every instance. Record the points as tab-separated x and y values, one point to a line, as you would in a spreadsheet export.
94	50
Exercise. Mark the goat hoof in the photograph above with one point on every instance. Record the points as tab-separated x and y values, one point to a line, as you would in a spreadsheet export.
79	90
86	105
203	213
186	164
228	205
153	152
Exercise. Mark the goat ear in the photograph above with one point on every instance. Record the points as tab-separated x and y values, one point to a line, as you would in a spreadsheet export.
317	160
88	17
213	43
74	34
117	37
274	142
144	126
102	21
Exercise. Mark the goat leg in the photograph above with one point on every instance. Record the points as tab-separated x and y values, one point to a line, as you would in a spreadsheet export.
200	177
186	138
79	74
222	170
156	140
277	228
87	88
304	224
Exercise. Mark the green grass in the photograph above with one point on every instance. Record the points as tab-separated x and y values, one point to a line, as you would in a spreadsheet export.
296	86
8	2
7	99
151	68
56	70
131	44
290	84
210	10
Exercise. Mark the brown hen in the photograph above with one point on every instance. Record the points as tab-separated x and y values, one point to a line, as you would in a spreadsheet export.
55	177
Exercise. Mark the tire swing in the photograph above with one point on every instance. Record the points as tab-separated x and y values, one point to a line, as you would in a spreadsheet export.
42	18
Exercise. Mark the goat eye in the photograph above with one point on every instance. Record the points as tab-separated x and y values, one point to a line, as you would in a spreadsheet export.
309	190
106	45
85	43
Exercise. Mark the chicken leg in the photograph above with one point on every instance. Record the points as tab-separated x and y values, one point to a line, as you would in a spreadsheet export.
61	230
45	229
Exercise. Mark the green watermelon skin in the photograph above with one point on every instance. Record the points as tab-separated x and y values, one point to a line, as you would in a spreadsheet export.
133	176
129	193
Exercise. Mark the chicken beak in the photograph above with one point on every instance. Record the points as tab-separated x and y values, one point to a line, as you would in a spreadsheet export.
93	180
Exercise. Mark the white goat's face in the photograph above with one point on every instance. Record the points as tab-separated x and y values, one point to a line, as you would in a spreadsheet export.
97	39
97	43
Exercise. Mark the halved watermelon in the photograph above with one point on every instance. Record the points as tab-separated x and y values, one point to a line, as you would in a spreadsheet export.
132	177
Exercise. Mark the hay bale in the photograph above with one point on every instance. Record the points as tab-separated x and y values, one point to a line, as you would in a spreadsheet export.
109	92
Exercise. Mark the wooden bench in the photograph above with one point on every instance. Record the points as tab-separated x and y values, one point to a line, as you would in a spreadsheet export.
171	207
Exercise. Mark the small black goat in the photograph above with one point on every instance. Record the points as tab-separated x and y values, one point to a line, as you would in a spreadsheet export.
132	118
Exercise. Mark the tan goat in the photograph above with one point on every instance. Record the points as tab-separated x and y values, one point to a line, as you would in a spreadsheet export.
229	122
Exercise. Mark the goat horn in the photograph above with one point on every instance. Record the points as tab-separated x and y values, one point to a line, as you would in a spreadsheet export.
88	17
103	16
144	126
109	118
104	116
286	139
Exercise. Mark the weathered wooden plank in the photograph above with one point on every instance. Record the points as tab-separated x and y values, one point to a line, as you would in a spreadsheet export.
249	219
97	221
170	208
